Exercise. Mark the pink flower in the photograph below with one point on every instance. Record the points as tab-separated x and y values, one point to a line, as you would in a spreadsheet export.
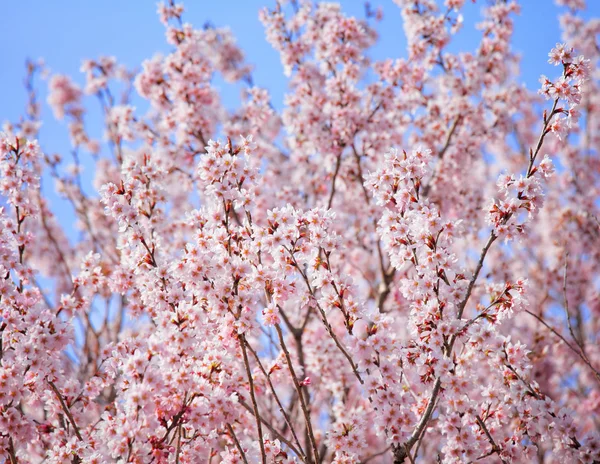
390	227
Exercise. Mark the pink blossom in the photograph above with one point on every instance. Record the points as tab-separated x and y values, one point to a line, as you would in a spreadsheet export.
384	267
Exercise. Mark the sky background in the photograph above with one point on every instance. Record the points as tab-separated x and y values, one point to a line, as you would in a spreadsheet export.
64	32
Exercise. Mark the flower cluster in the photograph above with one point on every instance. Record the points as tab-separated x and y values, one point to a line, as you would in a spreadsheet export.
521	196
566	88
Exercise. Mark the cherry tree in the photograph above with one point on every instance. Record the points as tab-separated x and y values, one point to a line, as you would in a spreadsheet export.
404	268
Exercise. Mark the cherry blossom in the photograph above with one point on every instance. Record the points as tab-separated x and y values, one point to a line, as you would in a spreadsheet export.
398	263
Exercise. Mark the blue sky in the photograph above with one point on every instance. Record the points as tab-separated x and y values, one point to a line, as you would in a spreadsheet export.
64	32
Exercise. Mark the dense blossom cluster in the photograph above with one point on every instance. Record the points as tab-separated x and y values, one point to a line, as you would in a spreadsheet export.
400	268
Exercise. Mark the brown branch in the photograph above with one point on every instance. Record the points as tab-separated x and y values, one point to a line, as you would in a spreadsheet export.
338	163
300	451
178	451
376	455
12	455
361	178
274	431
540	142
298	387
402	451
484	251
66	409
237	443
386	276
441	153
325	321
243	343
495	447
566	305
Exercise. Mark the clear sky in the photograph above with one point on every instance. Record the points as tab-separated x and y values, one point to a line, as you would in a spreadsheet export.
64	32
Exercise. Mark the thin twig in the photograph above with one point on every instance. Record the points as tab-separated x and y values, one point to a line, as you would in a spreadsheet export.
566	305
376	455
566	342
